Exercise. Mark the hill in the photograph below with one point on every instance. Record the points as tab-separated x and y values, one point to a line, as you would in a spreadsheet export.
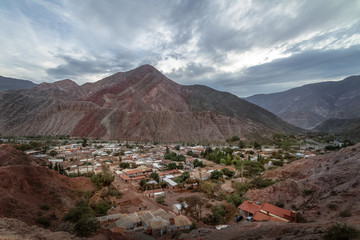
13	84
140	105
311	104
25	186
345	129
323	190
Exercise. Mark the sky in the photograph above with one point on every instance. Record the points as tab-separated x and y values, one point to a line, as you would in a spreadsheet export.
243	47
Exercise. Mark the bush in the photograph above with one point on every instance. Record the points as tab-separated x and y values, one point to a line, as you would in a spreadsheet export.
235	199
102	180
124	165
308	192
102	208
83	218
345	213
279	204
160	199
216	174
332	206
86	225
259	182
43	222
341	231
44	207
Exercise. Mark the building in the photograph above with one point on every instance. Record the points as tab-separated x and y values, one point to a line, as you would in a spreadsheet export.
266	212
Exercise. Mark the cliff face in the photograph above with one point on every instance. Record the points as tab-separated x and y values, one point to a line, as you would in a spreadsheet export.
141	104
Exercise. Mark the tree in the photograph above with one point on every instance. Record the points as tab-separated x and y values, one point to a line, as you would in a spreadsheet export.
198	163
257	145
228	172
172	166
216	174
124	165
53	153
241	144
154	176
84	142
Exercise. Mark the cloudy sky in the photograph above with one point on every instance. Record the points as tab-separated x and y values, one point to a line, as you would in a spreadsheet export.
244	47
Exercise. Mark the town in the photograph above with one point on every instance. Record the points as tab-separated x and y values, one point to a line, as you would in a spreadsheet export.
162	188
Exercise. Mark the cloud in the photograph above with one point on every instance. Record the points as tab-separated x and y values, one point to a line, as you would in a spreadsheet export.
229	45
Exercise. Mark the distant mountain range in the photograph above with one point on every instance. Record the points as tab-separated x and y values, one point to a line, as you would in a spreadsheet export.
13	84
140	105
312	104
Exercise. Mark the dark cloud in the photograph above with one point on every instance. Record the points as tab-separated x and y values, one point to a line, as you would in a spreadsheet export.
73	68
203	42
279	74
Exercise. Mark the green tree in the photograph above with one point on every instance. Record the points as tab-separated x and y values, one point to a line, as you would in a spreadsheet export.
53	153
216	174
154	176
228	172
171	166
84	142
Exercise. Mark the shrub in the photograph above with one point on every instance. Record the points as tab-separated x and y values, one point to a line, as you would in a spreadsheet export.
83	218
345	213
308	192
102	208
43	221
332	206
259	182
341	231
160	199
216	174
102	180
279	204
300	218
44	207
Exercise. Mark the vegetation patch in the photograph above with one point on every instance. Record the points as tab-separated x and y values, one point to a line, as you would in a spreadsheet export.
340	231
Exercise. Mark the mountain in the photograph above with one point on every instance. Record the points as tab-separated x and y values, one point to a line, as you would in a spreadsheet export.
141	104
345	129
13	84
311	104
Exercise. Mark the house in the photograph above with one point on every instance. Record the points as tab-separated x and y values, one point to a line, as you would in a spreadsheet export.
266	212
154	193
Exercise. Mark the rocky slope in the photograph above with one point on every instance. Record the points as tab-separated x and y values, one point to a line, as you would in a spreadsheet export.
141	105
25	185
13	84
345	129
324	190
320	188
311	104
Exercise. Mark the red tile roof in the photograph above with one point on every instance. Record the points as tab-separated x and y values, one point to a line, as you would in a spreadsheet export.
280	212
250	207
259	216
123	176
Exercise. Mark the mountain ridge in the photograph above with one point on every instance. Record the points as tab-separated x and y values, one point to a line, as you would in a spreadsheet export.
309	105
7	83
141	104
